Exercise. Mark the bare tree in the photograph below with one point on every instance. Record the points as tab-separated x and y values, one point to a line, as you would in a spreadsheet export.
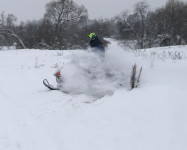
7	25
169	23
10	20
132	27
10	33
62	11
141	9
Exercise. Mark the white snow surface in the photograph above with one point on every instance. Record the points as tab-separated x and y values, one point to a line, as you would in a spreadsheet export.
150	117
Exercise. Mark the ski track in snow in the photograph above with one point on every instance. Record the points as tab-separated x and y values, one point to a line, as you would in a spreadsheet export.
151	117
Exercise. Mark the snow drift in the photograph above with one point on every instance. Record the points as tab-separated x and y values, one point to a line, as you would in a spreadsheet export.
151	117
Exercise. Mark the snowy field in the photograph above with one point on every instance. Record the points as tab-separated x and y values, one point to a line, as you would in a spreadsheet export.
150	117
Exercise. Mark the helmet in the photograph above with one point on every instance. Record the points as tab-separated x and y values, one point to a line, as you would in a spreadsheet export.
92	35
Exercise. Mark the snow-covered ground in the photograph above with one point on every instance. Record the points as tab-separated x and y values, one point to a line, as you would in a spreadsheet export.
150	117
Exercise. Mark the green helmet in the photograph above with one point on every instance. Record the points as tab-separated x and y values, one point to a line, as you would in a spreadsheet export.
92	35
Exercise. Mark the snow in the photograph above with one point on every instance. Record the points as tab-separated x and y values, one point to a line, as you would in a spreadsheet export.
91	74
150	117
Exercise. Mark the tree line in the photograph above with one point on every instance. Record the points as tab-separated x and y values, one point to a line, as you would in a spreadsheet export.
66	25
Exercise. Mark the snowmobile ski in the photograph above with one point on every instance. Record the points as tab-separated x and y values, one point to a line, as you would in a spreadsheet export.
49	86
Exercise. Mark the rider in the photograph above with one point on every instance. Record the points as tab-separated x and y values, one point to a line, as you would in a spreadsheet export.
96	44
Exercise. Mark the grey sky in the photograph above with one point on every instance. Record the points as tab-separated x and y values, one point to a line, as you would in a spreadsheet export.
34	9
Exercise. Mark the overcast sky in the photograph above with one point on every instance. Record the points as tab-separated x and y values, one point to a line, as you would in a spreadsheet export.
34	9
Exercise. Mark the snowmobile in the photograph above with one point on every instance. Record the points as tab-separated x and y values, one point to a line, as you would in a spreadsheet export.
58	80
